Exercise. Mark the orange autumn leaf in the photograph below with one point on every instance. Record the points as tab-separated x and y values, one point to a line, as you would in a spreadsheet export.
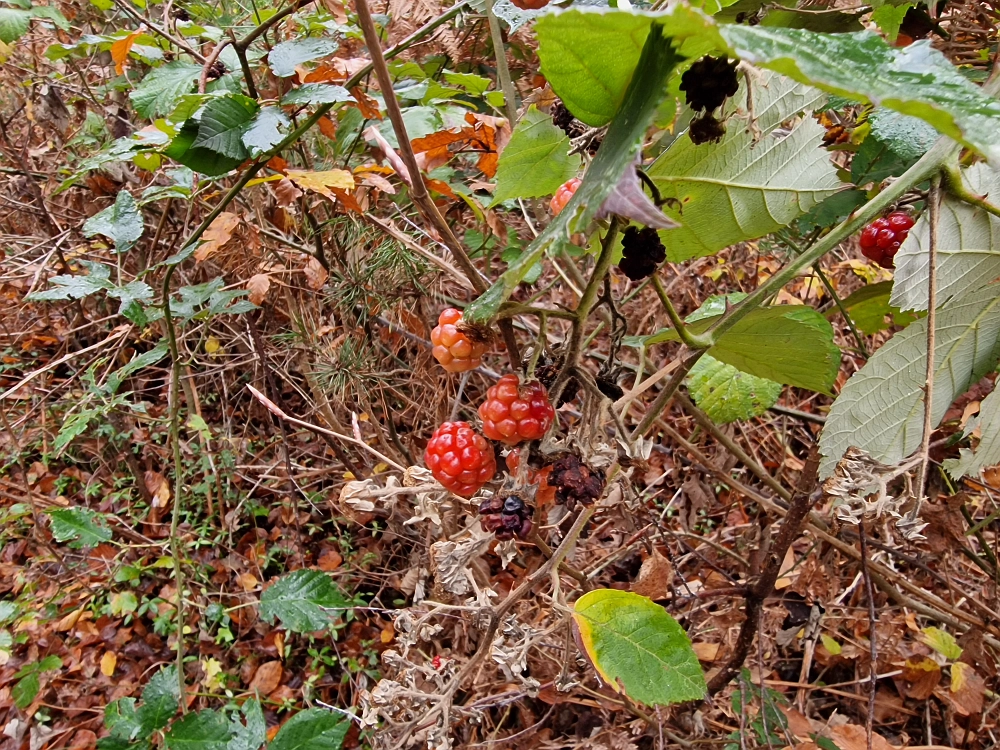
258	285
441	187
325	73
277	164
108	663
121	48
267	678
328	127
367	105
348	200
219	232
323	182
316	275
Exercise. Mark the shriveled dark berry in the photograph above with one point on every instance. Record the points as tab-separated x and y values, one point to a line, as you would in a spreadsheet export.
216	70
575	482
706	129
708	82
492	504
547	374
506	517
513	504
610	388
642	252
562	118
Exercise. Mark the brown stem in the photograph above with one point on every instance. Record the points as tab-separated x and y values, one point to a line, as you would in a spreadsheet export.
872	640
758	593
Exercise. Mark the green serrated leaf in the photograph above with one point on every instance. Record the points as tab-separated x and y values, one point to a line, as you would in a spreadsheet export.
121	720
222	124
81	527
889	18
14	24
253	734
727	395
25	690
263	133
968	246
317	93
76	287
637	648
916	80
740	190
304	601
616	154
284	58
589	55
881	408
870	310
536	161
121	222
312	729
159	92
205	730
160	699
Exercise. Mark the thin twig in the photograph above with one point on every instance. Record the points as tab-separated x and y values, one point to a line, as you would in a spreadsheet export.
872	639
503	72
934	202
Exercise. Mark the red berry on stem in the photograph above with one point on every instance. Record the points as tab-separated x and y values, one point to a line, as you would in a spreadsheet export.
881	239
513	413
453	349
563	194
459	458
530	4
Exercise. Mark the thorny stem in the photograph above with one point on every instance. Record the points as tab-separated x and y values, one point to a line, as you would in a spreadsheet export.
503	72
666	395
418	189
693	340
872	639
934	204
759	591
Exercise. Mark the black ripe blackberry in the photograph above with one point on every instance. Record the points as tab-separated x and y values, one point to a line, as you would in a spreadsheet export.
706	129
708	82
575	482
642	252
216	70
507	517
546	375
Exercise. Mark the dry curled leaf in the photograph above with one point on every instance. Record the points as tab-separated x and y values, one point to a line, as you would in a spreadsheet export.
257	285
219	232
285	193
316	275
267	678
323	182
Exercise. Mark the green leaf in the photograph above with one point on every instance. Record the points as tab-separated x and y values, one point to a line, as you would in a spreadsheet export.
881	408
160	699
968	249
739	190
942	641
76	287
253	734
916	80
121	222
286	56
790	344
536	161
317	93
138	362
158	93
302	600
893	144
589	55
205	730
727	395
869	308
25	690
222	124
616	154
81	527
312	729
889	18
637	648
263	134
121	720
14	24
987	453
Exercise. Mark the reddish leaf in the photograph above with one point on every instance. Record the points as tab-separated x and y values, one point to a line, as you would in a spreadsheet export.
267	678
367	105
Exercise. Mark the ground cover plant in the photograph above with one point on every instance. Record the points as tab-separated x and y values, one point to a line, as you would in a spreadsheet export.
506	373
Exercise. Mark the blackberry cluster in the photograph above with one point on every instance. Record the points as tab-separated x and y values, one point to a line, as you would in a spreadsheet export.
562	118
575	482
216	71
708	83
507	517
706	129
642	252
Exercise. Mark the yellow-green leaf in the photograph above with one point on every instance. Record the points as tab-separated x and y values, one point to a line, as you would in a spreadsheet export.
941	641
637	648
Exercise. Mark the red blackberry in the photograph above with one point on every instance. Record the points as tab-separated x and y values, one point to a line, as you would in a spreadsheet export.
456	347
513	413
881	239
563	195
708	82
460	459
642	252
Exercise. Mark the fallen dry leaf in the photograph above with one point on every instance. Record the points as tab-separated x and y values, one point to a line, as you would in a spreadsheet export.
218	234
257	285
330	560
316	275
108	663
121	48
267	678
853	737
654	577
285	193
158	487
323	182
